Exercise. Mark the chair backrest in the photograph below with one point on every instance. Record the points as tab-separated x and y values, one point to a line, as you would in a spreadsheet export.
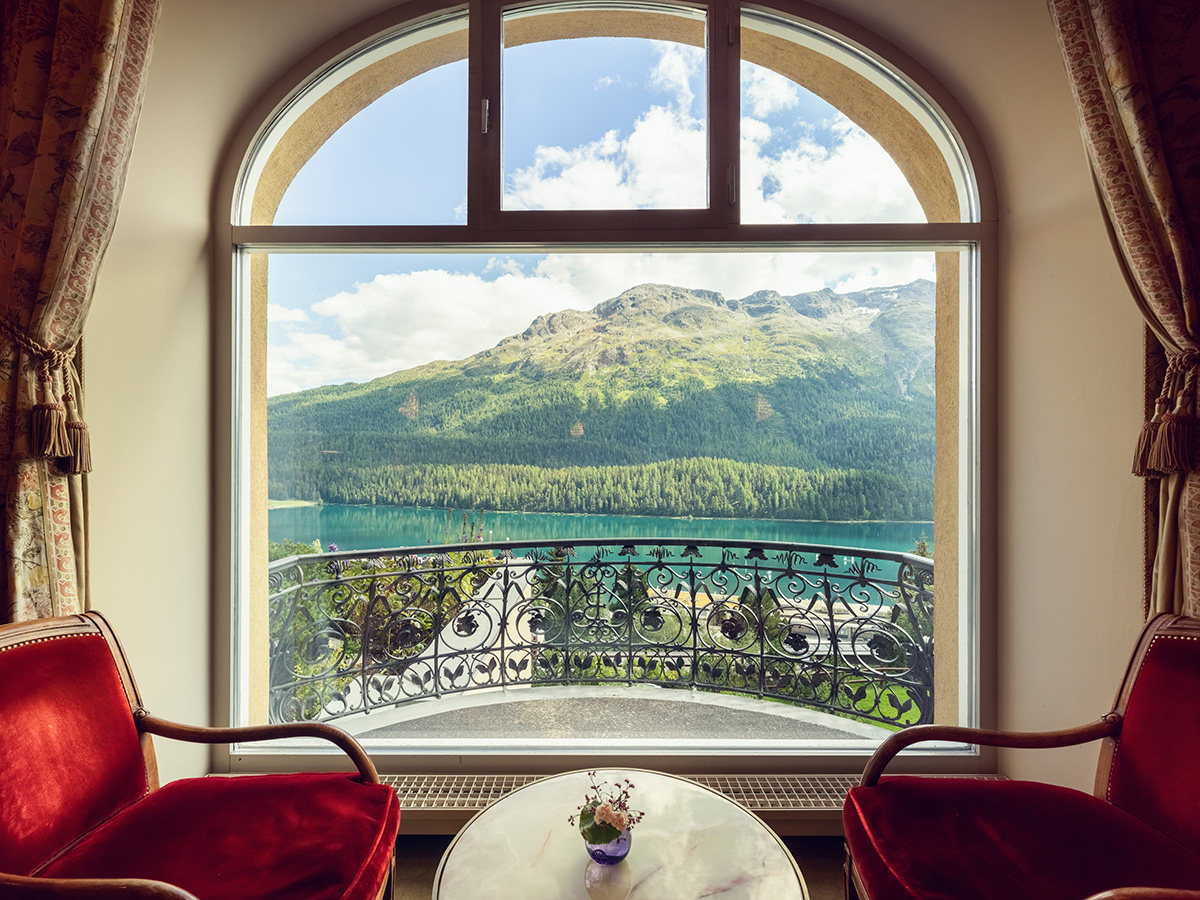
1150	770
70	752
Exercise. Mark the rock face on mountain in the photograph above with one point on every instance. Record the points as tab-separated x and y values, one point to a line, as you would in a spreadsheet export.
655	327
818	381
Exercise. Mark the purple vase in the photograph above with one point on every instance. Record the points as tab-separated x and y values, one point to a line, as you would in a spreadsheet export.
613	852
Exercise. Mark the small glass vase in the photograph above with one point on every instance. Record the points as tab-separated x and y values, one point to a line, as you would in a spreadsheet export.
613	852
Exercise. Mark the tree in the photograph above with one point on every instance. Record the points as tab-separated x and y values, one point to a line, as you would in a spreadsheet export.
921	547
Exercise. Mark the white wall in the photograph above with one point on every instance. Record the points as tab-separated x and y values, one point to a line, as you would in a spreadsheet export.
1069	344
1069	357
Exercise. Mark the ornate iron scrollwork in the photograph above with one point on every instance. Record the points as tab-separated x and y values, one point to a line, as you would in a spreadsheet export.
850	633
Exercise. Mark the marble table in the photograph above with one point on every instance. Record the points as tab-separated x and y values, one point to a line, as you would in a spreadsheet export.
693	843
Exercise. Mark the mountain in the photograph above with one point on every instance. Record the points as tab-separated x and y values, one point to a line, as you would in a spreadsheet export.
660	333
821	382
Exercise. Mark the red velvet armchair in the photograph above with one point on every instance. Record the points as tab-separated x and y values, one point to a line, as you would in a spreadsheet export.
1136	837
82	814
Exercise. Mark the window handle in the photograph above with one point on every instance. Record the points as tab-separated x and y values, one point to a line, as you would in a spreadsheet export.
484	110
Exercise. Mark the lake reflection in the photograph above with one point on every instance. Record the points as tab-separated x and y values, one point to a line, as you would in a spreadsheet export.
380	527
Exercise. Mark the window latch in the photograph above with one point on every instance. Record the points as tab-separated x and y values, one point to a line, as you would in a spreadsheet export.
484	123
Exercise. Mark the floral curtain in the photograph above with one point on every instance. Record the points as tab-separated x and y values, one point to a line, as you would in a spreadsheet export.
71	82
1134	67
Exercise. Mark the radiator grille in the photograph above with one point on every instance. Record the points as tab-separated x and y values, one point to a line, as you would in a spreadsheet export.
758	793
453	792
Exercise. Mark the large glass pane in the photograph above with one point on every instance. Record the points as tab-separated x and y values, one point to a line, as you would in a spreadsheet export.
401	159
804	159
604	109
660	414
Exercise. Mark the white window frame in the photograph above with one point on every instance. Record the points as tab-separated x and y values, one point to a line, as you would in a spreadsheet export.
235	335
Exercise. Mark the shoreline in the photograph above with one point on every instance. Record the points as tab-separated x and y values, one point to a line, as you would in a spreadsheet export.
298	504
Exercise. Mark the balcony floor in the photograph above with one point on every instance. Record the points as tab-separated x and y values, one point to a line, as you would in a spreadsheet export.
606	714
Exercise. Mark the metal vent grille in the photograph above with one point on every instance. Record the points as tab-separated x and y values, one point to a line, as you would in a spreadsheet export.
453	792
815	793
758	793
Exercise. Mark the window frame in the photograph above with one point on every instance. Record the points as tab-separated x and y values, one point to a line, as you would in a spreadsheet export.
236	335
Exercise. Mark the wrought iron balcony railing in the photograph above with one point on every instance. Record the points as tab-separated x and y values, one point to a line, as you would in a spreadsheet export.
844	631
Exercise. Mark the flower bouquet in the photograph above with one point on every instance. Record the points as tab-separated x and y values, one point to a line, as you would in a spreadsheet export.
605	820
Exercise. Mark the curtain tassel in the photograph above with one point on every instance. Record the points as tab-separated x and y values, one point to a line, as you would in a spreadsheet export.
48	430
1174	441
48	418
1146	442
1175	444
80	460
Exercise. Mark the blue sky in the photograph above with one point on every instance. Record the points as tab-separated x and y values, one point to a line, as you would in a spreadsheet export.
621	124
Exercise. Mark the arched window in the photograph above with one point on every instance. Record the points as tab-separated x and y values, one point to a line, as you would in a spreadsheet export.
677	306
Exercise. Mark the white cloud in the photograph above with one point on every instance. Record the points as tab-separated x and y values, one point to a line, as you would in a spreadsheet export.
505	265
397	321
851	180
278	313
661	163
754	132
768	92
673	72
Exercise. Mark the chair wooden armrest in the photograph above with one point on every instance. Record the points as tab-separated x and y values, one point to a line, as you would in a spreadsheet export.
1108	726
204	735
1146	893
17	887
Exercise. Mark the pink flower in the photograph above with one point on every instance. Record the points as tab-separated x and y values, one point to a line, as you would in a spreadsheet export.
605	814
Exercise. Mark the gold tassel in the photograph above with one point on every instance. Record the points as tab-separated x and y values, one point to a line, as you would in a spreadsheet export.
49	437
1145	446
1175	444
1174	447
48	430
80	460
1144	453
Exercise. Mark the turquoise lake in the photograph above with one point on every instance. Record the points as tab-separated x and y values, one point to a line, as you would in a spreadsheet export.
380	527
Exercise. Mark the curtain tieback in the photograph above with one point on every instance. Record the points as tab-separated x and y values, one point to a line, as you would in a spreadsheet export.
56	430
1168	441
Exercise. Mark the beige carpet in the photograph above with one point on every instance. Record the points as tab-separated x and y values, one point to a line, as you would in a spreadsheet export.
417	857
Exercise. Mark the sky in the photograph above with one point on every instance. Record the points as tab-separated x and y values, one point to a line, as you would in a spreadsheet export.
620	125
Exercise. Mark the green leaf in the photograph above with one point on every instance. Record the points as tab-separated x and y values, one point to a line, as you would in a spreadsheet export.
595	832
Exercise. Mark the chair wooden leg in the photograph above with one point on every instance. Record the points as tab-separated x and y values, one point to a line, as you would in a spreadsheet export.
848	868
388	890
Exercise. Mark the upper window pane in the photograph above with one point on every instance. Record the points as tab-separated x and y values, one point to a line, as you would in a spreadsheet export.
384	145
804	161
826	137
604	109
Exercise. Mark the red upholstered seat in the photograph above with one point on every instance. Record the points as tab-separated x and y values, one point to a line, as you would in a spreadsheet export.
926	838
79	798
317	837
913	838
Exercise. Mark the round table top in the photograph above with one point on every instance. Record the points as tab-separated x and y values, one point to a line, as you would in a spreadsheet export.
692	843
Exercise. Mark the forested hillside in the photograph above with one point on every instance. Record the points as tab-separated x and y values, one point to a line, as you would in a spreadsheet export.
660	401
